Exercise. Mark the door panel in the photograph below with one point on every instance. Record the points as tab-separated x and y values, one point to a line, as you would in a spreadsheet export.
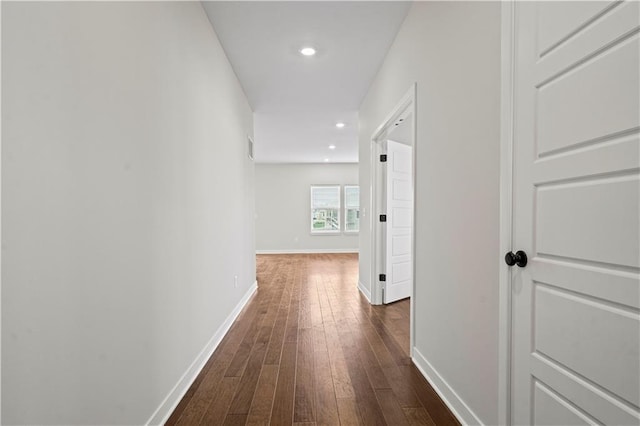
594	220
399	228
561	19
401	190
553	410
401	271
584	395
401	245
401	216
583	334
598	88
610	28
575	319
621	153
621	286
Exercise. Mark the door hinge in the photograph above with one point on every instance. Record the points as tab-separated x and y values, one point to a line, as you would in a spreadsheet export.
382	277
383	158
383	218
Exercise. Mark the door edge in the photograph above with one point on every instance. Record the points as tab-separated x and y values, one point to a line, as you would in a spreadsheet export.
508	55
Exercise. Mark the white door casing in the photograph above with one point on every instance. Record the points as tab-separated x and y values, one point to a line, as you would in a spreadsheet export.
399	226
575	323
402	114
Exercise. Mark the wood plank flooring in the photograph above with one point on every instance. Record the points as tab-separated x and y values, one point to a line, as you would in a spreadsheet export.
308	349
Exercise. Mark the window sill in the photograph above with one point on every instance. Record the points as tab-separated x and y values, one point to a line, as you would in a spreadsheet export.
314	233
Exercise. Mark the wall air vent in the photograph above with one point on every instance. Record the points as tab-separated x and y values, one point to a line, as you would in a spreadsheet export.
250	147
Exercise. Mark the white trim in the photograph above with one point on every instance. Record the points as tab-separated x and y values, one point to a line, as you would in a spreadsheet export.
463	413
396	112
365	292
307	251
162	413
508	23
0	215
321	233
374	225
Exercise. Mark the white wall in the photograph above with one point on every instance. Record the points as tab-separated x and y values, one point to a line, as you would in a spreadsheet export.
127	205
452	51
283	207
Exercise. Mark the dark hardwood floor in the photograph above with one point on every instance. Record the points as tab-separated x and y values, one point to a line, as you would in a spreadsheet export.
308	349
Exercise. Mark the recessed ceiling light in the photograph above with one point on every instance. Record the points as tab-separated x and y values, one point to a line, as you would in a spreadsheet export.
308	51
339	125
326	160
332	147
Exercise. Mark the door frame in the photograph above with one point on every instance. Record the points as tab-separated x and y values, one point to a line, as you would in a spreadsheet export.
407	105
0	216
507	114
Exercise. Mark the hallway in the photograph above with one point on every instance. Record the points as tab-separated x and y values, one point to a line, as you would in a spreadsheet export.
309	349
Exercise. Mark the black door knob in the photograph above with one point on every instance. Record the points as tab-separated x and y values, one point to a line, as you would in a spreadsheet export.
520	258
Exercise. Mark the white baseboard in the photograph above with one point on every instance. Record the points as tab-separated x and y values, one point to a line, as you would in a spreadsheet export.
162	413
364	291
463	413
306	251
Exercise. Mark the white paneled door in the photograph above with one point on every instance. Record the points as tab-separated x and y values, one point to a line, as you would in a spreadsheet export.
399	228
575	305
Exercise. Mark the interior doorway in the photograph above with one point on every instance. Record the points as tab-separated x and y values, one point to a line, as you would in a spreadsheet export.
393	212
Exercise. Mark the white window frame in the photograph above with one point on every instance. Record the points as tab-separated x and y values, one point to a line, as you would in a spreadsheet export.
346	207
311	208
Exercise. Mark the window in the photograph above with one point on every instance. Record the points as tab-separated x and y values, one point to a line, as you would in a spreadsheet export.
325	209
351	208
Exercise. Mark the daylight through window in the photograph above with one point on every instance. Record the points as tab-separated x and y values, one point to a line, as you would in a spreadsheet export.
351	208
325	209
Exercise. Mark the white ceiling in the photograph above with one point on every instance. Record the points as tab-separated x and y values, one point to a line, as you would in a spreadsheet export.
297	100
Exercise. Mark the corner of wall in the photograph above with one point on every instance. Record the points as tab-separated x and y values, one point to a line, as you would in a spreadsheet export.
364	290
171	401
458	407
